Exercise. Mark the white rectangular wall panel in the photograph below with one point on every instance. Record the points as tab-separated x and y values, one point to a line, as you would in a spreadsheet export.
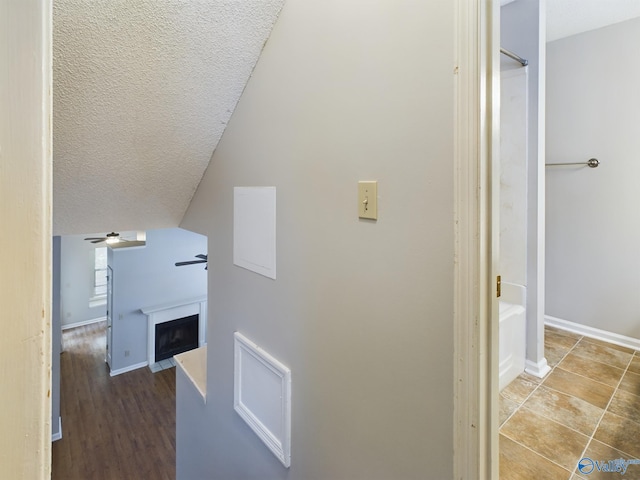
254	229
262	396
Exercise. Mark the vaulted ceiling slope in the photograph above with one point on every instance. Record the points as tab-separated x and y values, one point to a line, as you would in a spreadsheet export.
142	92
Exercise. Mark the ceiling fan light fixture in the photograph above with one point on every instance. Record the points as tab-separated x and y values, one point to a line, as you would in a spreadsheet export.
112	238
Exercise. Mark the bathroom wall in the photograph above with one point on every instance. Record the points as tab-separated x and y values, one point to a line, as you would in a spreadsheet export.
361	311
593	224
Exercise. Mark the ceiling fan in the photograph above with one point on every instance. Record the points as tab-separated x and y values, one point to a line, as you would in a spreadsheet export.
202	259
110	238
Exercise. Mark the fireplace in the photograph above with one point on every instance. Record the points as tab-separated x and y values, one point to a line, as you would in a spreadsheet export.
188	331
176	336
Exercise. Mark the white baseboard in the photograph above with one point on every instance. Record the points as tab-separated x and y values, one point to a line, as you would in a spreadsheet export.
84	322
591	332
58	435
539	369
128	369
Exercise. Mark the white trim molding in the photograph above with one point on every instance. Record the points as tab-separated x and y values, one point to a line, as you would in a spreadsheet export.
476	76
262	396
83	323
539	369
591	332
128	368
55	436
26	254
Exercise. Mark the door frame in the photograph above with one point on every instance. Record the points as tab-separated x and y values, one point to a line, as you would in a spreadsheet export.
26	254
476	215
109	317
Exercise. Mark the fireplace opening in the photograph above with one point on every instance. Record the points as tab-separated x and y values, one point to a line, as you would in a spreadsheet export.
176	336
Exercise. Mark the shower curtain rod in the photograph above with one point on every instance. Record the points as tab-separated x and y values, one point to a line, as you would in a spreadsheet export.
523	61
592	162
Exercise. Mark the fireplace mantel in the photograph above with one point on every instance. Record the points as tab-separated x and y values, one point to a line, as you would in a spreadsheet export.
170	311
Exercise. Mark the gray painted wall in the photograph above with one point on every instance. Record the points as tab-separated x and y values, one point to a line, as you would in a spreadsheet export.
77	269
593	226
361	312
56	337
147	276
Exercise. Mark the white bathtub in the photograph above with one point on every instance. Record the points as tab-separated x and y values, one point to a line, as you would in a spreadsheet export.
512	333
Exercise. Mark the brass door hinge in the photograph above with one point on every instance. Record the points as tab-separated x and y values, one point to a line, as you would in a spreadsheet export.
498	286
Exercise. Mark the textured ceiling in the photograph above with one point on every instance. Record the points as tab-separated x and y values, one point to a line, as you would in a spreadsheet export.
142	92
570	17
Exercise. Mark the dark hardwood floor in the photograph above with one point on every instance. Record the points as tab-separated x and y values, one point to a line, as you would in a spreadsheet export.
118	428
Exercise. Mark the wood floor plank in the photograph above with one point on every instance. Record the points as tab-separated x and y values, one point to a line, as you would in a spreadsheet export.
117	428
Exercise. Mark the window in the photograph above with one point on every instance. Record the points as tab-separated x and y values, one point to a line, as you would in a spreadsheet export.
99	278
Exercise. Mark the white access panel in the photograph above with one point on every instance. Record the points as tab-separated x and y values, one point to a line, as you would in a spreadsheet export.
262	396
254	229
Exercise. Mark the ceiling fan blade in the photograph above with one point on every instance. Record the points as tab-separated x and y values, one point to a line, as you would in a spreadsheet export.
190	262
98	240
203	256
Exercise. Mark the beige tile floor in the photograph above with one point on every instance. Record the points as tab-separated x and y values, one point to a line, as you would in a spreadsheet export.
588	406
